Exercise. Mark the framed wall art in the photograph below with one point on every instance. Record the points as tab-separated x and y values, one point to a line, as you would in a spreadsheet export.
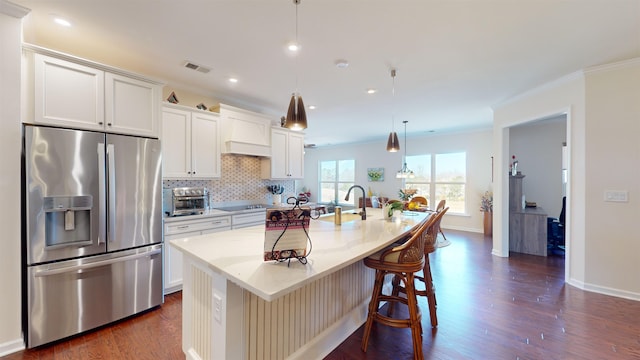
375	174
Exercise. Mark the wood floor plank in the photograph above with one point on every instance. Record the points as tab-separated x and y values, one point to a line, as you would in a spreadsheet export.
488	308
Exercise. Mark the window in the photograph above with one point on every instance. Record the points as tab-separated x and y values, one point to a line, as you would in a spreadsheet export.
336	177
440	176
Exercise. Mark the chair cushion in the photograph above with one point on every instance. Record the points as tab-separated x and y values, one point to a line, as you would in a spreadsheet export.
392	257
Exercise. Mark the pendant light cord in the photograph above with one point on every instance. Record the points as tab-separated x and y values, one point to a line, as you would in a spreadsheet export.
393	100
297	94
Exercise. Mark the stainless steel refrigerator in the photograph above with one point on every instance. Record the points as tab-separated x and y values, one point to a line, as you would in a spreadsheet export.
92	238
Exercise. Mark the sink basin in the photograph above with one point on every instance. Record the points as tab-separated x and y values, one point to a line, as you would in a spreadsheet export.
346	217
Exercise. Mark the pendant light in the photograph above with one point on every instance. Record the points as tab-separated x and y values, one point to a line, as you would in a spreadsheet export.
296	115
405	172
392	144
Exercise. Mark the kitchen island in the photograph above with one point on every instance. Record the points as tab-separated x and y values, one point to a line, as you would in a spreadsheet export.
236	306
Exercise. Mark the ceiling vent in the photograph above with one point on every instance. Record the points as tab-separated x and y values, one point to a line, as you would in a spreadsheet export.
196	67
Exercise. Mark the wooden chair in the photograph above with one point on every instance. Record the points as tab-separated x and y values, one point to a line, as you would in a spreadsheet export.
419	199
403	261
431	236
441	205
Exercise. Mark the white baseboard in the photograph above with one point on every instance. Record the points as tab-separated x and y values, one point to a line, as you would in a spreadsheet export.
463	228
11	347
604	290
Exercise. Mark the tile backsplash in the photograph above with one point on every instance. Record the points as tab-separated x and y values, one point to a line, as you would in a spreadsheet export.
240	180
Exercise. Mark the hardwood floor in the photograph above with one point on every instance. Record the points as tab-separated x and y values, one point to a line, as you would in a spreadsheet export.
488	308
153	335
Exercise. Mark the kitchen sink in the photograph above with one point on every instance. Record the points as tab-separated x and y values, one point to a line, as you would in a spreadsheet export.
346	217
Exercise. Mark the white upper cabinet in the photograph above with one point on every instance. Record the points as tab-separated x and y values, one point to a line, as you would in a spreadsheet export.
131	105
190	141
74	93
287	156
68	94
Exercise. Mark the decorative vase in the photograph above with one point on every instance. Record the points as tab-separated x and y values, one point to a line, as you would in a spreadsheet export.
387	212
488	223
277	199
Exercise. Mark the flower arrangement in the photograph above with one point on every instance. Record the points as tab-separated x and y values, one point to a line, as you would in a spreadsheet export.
486	203
407	194
305	193
513	167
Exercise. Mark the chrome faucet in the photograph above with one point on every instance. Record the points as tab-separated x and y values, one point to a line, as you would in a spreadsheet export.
363	213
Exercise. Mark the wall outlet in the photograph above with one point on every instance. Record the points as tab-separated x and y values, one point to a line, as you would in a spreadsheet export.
217	308
616	195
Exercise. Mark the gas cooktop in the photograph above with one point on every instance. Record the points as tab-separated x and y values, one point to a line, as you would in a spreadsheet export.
245	208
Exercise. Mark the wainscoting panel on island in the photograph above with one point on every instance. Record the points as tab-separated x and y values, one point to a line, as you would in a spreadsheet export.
237	306
324	311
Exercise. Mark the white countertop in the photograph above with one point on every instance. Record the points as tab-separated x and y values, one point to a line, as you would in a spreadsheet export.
237	254
207	214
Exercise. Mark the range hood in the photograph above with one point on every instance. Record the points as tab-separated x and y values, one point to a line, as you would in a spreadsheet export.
244	132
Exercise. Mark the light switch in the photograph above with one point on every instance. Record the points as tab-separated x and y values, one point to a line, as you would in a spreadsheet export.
616	195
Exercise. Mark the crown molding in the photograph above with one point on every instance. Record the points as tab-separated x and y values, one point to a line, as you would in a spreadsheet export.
576	75
613	66
14	10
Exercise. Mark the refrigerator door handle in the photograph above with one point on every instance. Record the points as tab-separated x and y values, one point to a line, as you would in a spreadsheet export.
114	260
102	195
111	171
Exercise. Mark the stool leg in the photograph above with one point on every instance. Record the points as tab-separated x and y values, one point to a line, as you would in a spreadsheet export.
440	230
373	307
431	292
416	327
394	292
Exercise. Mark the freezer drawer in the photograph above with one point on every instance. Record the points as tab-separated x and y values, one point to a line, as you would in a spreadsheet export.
73	296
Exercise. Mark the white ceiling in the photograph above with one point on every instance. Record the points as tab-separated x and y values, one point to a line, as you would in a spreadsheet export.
455	59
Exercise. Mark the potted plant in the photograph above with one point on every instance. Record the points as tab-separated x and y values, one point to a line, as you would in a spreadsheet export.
486	206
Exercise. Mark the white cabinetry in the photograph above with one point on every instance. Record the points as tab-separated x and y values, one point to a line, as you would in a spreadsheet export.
183	229
75	93
287	156
190	141
244	132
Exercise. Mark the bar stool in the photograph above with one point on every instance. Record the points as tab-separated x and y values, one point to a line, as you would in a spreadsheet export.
431	238
441	205
403	261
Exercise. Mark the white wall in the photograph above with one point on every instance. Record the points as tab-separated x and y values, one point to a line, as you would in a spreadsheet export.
612	253
602	138
477	145
538	148
10	281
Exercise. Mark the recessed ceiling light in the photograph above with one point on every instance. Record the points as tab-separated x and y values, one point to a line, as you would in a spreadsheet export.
61	21
341	63
371	91
312	107
293	47
233	80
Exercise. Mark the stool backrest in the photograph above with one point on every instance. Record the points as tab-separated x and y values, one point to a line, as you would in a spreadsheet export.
441	205
432	231
412	250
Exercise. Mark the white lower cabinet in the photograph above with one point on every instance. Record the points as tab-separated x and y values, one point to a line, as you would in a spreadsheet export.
182	229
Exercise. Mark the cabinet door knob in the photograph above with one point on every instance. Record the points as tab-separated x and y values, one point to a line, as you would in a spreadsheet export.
108	124
100	123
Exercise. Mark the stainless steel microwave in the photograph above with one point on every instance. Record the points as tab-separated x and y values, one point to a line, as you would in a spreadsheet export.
185	201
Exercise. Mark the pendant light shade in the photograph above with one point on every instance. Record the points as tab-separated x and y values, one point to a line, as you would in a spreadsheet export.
296	115
392	144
